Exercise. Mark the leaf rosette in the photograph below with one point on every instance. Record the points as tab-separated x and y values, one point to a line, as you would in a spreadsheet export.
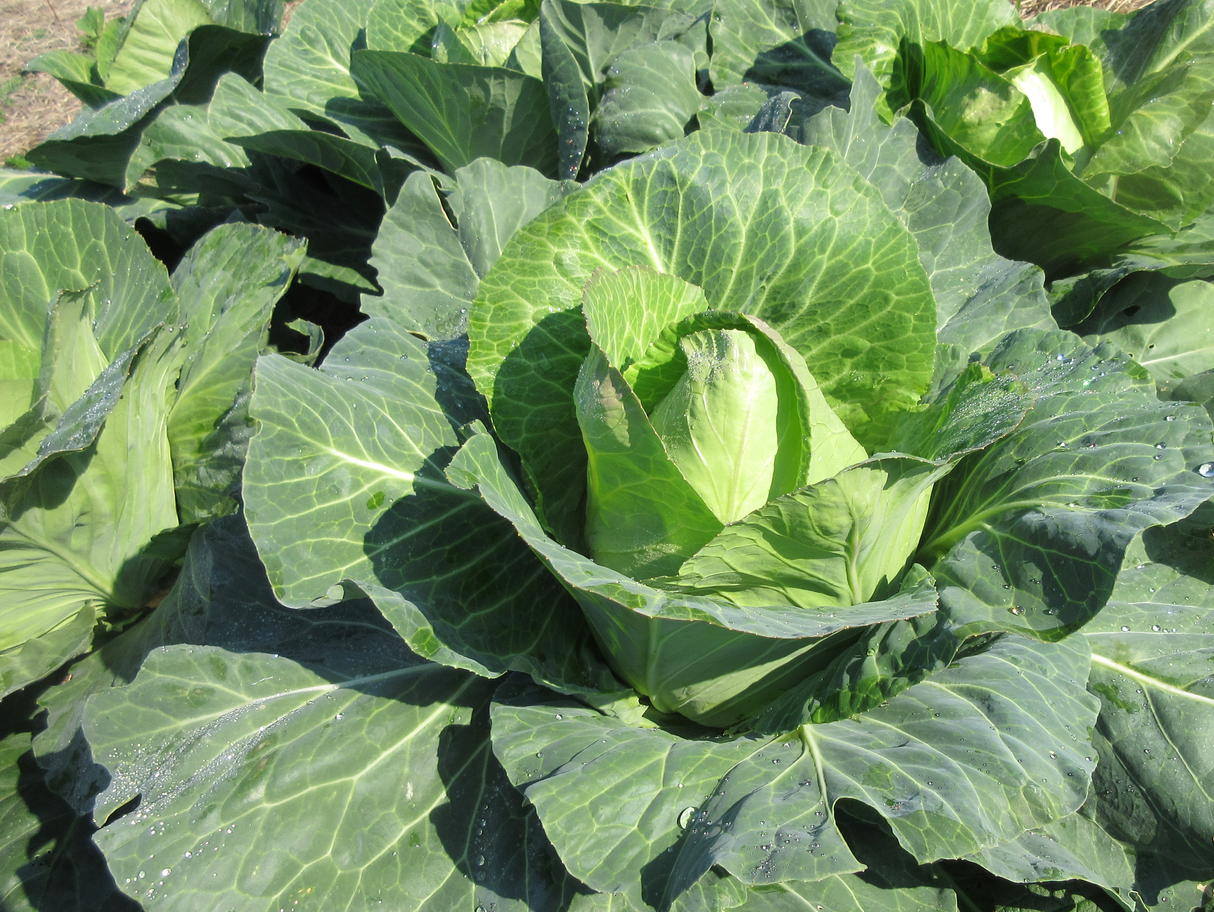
797	455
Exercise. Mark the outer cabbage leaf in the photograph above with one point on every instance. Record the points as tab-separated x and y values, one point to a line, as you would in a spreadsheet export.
308	70
1165	325
1044	213
463	111
77	529
1116	169
400	769
260	122
430	268
875	30
79	315
130	386
580	45
788	44
361	497
46	857
231	280
71	245
1029	534
980	296
648	98
150	41
957	760
1151	649
99	144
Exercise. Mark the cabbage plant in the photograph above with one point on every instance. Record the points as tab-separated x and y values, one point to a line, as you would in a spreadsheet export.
1091	128
733	531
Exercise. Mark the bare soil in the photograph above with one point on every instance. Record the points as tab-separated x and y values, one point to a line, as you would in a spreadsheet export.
33	105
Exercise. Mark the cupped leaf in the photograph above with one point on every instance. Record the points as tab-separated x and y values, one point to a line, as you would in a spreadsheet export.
228	284
1029	534
344	482
1063	82
643	517
850	538
430	268
720	422
705	658
980	110
876	29
638	317
841	542
970	757
764	226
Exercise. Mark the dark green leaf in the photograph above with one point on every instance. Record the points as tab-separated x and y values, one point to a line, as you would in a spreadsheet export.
430	268
228	283
1031	531
47	860
980	296
955	761
344	482
464	112
776	42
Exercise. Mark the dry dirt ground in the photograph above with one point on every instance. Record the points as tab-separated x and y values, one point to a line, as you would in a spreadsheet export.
33	105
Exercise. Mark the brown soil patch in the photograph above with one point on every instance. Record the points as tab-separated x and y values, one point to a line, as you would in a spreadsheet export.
33	105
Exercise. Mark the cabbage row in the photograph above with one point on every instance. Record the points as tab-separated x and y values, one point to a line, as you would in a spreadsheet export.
711	455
